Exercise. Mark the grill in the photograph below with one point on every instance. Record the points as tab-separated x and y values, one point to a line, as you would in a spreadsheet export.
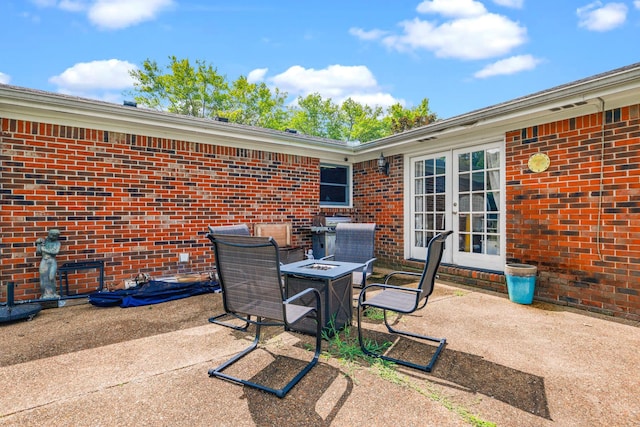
324	234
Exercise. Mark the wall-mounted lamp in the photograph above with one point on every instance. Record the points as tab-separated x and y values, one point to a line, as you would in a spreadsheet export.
383	165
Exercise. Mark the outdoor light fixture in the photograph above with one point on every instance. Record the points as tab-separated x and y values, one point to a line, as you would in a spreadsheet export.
383	165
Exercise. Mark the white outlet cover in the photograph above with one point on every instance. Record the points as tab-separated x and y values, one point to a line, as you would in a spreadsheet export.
184	257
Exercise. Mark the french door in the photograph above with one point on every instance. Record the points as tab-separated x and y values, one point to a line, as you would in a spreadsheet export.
460	190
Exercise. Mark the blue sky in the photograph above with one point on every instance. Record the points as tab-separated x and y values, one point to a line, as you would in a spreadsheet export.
460	54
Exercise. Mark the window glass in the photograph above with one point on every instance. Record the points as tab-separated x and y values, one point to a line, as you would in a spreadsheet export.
334	185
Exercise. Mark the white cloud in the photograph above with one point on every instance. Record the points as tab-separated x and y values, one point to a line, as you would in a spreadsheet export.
112	74
367	35
257	75
73	5
636	3
453	8
478	37
512	65
598	17
516	4
4	78
462	29
117	14
337	82
112	14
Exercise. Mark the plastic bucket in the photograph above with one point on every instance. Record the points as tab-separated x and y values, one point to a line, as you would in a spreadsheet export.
521	282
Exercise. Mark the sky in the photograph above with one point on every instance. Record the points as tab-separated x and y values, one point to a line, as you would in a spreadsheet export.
461	55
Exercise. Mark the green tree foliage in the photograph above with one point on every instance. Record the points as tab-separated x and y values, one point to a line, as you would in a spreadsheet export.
255	104
183	89
316	116
401	119
361	122
199	90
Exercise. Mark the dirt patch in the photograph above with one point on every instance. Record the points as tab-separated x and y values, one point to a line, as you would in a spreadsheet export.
78	326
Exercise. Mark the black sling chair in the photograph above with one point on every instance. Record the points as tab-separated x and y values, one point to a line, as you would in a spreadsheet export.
249	274
405	300
236	229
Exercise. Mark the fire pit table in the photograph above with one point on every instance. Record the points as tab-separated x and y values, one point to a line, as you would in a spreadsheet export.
333	280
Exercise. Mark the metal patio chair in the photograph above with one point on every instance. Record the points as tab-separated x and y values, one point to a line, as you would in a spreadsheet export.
239	230
249	274
404	299
354	243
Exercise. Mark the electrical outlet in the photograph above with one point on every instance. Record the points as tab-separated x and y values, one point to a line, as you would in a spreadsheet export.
184	257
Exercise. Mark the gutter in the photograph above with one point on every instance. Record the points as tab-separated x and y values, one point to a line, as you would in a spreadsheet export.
548	102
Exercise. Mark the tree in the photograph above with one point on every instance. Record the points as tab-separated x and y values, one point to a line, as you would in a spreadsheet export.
401	119
362	122
199	92
255	104
318	117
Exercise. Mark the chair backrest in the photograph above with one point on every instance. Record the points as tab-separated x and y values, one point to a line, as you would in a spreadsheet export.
249	274
239	229
354	241
435	249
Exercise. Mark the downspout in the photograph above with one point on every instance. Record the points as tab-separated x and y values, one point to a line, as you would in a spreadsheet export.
600	196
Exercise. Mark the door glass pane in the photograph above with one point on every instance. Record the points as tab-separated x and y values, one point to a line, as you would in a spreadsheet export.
428	185
464	203
464	224
493	201
492	223
429	196
477	160
493	158
479	201
493	180
429	169
478	181
463	182
464	163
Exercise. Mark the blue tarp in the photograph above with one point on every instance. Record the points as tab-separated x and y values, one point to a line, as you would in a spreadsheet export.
153	292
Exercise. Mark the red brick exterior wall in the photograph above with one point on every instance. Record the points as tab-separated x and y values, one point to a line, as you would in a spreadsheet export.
554	217
135	201
379	198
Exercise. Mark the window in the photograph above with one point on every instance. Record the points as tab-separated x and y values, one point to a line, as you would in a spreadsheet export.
335	185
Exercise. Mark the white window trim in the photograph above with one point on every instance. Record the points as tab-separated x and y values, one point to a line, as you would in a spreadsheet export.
349	187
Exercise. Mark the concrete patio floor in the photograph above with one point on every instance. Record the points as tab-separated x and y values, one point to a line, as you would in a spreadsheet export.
505	363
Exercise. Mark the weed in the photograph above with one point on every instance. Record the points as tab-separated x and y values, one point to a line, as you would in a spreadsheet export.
346	348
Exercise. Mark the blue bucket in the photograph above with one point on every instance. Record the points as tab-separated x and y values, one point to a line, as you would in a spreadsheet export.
521	282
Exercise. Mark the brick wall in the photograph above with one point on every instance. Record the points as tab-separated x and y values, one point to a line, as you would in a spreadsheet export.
136	201
379	198
583	236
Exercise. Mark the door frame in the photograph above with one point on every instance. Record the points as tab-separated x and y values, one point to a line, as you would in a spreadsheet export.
451	255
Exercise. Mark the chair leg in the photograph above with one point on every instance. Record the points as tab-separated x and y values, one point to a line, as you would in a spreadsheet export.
215	320
426	368
217	372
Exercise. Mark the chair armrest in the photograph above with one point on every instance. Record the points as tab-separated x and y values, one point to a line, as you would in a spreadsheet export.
318	305
368	263
327	257
304	292
361	297
405	273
